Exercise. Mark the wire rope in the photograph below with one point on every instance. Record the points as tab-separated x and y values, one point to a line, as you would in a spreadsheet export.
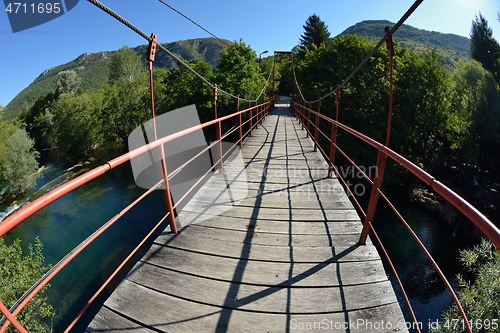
109	11
187	18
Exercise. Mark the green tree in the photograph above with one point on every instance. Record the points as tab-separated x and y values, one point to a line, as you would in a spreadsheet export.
7	128
474	124
238	73
421	99
315	32
19	161
38	119
125	67
67	82
179	88
17	274
77	123
479	290
483	47
126	98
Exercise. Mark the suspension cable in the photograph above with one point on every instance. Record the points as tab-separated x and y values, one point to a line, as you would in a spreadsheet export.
368	56
108	10
187	18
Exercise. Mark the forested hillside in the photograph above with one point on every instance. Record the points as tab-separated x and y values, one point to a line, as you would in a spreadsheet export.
451	46
93	69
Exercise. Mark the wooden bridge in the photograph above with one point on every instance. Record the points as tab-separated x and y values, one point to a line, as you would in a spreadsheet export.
282	256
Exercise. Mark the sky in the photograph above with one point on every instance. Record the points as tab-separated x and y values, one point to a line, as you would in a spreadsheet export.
264	25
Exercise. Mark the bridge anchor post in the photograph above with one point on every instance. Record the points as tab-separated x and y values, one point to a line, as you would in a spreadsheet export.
167	198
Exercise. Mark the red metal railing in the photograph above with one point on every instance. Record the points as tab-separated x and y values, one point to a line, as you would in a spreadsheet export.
304	113
255	114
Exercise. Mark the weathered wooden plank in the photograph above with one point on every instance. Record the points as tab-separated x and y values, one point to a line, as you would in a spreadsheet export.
266	273
185	316
312	254
254	237
284	227
267	299
192	214
283	175
269	200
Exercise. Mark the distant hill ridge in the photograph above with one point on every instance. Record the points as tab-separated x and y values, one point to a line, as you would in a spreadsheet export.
452	47
93	68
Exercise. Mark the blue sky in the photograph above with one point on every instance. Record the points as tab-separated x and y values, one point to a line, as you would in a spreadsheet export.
264	25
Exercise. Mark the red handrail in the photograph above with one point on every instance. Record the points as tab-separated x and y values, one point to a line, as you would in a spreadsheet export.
25	212
476	217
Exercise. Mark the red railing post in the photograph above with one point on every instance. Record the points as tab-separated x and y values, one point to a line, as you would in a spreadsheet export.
333	137
218	130
163	165
251	118
256	114
240	130
382	157
316	125
11	318
301	112
308	122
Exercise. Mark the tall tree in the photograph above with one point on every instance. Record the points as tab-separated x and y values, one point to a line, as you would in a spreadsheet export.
180	88
475	121
19	162
238	73
315	32
125	66
484	48
77	123
124	105
38	120
67	82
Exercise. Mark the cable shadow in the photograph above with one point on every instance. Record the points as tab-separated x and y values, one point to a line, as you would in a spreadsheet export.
339	277
245	251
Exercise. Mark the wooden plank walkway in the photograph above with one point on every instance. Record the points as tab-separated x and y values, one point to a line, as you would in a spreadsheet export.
275	253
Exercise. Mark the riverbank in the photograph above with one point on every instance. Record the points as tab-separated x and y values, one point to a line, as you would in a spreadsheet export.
54	172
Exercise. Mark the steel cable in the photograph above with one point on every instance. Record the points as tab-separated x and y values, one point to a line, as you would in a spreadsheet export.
187	18
108	10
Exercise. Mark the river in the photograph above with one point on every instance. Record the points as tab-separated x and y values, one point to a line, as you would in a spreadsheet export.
68	221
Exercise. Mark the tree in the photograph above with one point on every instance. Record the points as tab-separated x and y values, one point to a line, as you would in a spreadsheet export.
67	82
315	33
125	67
126	102
6	130
38	119
238	73
484	48
77	123
421	99
179	87
19	161
17	274
474	124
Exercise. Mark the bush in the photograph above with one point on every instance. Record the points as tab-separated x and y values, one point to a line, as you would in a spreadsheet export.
479	291
17	274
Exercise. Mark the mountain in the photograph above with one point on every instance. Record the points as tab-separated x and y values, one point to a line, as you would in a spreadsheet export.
93	68
452	47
